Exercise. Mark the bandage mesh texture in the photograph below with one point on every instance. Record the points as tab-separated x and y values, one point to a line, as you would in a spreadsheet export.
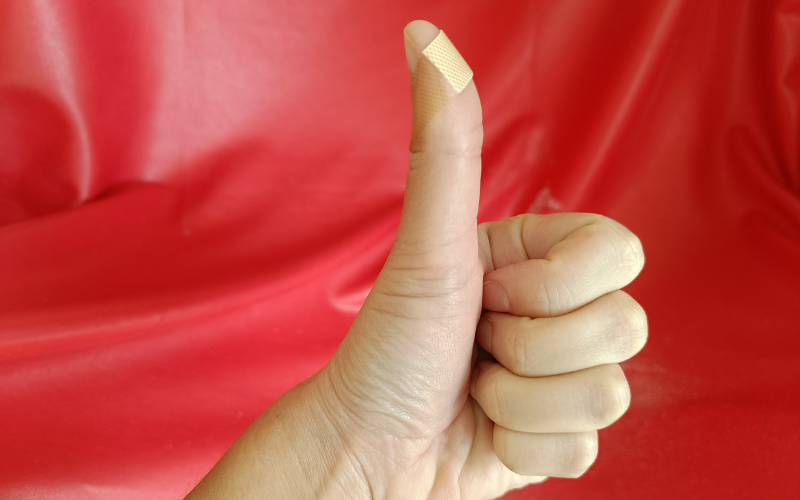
446	58
440	75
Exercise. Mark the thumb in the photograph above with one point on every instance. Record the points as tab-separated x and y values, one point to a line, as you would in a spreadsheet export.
408	352
441	201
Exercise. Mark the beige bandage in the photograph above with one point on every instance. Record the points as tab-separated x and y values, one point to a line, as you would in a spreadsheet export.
440	75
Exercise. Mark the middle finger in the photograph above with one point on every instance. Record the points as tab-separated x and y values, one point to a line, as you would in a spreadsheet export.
610	329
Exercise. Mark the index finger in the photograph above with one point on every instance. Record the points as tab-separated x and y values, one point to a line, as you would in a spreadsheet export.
549	265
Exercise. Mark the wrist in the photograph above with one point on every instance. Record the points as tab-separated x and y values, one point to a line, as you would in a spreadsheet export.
390	463
317	459
293	450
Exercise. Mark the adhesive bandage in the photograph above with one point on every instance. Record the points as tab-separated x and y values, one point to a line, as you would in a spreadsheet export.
440	75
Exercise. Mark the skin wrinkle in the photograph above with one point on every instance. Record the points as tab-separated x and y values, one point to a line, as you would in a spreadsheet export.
421	256
447	290
569	302
571	237
418	157
351	411
586	346
548	294
402	399
501	400
398	254
633	258
601	230
634	245
605	336
526	255
522	346
328	483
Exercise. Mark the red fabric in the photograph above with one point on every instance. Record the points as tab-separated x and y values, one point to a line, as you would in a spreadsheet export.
196	196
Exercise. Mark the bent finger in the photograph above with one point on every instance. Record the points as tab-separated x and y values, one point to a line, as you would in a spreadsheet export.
555	454
610	329
544	266
574	402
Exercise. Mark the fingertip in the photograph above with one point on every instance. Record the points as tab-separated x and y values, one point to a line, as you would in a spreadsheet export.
421	32
417	35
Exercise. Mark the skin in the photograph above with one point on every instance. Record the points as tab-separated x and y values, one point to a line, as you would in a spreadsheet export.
484	358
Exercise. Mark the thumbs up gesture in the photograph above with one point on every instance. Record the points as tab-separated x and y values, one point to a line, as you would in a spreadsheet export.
484	358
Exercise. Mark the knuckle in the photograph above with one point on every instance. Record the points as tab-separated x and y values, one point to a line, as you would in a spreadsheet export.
501	402
540	296
524	351
416	273
630	332
633	248
627	246
510	451
584	453
610	397
491	393
552	297
500	440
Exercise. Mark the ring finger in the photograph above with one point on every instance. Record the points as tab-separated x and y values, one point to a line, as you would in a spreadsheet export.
574	402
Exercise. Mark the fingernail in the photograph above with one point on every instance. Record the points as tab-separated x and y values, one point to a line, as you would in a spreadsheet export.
483	334
411	52
495	298
473	379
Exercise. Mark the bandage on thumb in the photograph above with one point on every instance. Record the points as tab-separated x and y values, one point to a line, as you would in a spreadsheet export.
438	75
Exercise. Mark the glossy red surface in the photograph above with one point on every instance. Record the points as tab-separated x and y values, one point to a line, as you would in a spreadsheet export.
196	196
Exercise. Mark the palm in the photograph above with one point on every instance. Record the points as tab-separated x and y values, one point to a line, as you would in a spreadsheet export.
411	347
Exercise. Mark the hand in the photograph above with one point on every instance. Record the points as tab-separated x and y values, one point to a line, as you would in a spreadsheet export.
403	410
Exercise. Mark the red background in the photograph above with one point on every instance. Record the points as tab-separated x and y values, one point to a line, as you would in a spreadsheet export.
196	196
